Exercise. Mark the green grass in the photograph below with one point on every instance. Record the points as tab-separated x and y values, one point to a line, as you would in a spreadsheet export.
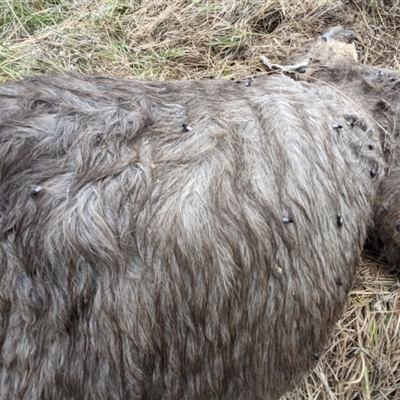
32	16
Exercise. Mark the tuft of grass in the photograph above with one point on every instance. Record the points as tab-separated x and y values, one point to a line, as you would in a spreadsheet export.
373	334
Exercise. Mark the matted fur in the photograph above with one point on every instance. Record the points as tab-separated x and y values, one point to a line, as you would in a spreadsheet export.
376	92
144	250
385	237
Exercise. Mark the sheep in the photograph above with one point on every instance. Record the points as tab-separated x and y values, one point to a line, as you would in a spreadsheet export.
176	240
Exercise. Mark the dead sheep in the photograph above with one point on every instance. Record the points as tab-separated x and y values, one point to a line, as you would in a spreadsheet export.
140	259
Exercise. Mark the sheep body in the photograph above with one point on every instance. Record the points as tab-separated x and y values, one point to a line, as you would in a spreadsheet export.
160	262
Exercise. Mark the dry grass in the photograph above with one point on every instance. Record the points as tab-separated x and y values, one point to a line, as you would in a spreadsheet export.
363	360
193	39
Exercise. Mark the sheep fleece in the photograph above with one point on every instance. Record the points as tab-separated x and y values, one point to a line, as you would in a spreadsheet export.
144	253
